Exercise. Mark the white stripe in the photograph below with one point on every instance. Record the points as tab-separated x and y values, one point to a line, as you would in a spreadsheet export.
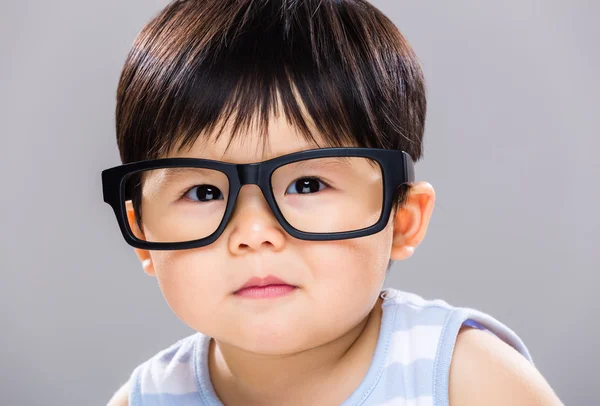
400	401
420	342
420	301
175	378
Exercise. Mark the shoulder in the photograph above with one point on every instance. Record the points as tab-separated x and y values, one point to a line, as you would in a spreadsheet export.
486	370
120	397
168	371
156	370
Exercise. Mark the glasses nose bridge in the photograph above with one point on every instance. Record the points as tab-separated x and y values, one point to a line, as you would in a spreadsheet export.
248	173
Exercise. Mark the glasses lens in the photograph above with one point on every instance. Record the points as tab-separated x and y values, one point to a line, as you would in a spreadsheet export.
332	194
318	195
175	204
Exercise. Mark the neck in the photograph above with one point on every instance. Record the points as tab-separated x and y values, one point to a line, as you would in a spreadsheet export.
242	378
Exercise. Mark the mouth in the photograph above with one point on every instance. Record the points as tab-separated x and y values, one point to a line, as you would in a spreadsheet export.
270	286
265	292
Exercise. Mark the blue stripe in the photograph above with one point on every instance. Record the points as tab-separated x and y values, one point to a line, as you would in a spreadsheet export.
181	355
134	386
166	399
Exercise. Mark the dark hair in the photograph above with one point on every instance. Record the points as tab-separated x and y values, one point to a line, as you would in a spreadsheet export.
341	64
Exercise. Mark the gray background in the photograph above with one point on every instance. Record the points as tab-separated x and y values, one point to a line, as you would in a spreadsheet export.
511	146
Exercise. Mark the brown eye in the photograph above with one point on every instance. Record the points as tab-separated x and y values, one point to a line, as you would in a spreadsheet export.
305	186
204	193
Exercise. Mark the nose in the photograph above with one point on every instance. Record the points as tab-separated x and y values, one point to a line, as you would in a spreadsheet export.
253	225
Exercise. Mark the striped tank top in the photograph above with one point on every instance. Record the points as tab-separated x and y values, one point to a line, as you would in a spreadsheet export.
410	366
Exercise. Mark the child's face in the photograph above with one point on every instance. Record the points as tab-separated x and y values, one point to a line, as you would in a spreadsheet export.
338	281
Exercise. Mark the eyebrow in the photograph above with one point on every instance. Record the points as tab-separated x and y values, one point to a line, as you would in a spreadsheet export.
174	171
330	160
178	172
265	152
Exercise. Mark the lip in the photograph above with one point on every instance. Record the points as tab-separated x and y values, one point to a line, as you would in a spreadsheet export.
260	282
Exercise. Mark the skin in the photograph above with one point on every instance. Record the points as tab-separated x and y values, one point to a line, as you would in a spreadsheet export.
293	350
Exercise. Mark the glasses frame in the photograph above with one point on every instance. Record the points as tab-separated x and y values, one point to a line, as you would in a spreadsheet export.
397	169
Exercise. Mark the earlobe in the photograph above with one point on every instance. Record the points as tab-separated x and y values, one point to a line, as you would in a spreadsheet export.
411	220
147	264
143	255
400	252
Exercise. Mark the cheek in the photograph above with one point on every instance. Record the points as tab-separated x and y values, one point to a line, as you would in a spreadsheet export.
348	274
186	280
357	263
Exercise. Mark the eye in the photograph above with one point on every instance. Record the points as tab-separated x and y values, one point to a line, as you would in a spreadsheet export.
306	186
204	193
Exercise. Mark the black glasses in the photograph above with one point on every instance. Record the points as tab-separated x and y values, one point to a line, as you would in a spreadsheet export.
319	194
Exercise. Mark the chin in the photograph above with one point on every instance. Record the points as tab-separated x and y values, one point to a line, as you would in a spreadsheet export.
271	340
272	348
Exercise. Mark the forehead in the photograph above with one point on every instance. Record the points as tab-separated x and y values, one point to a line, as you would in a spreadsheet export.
249	146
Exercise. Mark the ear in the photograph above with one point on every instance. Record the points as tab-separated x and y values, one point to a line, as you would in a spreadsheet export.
411	220
143	255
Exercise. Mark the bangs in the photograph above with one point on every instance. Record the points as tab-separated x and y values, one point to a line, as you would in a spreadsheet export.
340	67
